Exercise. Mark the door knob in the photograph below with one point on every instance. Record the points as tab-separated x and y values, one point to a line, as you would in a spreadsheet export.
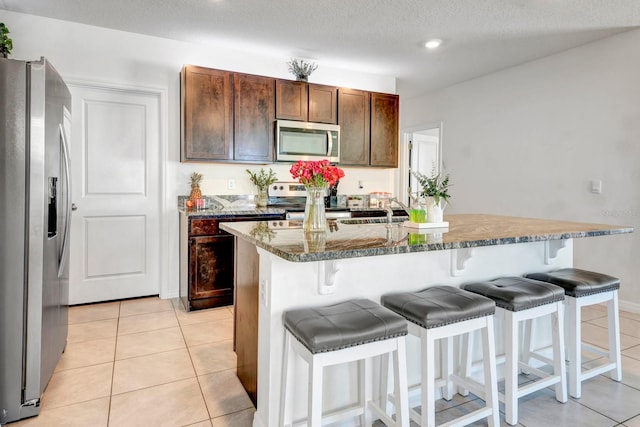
74	207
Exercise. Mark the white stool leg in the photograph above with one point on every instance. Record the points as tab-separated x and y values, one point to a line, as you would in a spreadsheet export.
315	393
614	336
527	343
575	348
401	385
511	368
364	394
446	366
557	320
384	382
428	409
490	376
465	363
286	411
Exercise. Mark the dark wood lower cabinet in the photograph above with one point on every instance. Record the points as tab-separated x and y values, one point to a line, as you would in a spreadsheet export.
211	271
207	260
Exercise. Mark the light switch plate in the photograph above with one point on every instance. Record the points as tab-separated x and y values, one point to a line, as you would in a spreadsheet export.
596	186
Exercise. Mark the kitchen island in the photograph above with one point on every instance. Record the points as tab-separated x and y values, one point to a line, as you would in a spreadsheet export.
279	269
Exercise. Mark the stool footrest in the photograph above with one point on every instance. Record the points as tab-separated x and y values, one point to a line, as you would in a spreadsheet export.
537	385
595	349
537	372
334	416
381	414
470	384
539	357
590	373
469	418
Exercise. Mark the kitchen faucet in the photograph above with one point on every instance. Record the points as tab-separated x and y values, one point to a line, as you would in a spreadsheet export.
387	208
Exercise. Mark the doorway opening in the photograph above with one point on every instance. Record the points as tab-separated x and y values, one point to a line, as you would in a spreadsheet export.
421	151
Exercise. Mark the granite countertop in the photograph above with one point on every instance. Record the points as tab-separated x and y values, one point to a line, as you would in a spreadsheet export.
352	238
231	211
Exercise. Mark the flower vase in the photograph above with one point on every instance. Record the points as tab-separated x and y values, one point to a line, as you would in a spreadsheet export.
262	198
435	211
314	213
314	242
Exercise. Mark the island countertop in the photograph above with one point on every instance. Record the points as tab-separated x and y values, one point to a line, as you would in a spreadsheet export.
351	238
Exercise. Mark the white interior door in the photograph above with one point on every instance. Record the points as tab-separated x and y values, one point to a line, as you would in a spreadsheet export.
425	155
115	158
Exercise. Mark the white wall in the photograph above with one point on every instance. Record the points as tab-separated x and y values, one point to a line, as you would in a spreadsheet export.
82	52
527	141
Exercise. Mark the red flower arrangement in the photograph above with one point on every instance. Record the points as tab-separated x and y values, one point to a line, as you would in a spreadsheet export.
316	173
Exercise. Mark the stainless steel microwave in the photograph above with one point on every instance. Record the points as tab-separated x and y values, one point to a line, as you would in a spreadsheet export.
307	141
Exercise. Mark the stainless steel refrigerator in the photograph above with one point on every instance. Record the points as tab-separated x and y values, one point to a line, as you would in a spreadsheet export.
35	209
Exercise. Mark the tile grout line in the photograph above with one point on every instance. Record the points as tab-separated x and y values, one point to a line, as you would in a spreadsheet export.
113	369
193	366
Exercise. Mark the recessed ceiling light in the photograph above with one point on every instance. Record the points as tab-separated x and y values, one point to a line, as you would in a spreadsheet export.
433	43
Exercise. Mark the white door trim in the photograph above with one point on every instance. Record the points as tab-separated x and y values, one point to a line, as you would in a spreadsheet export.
161	93
403	161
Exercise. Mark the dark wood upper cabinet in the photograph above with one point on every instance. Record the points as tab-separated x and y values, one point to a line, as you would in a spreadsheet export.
384	130
353	118
230	117
291	100
306	102
254	117
323	104
206	116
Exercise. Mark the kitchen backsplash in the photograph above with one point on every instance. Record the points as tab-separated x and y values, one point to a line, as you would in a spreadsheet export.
226	200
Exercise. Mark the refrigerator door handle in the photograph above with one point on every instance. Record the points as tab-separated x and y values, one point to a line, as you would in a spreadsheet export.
67	223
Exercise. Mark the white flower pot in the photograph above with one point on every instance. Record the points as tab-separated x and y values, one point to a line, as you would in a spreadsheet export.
435	211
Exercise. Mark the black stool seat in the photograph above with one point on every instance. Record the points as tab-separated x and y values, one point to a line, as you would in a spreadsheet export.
343	325
438	306
517	293
578	283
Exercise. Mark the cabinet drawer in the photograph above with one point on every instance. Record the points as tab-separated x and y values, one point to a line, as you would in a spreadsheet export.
205	227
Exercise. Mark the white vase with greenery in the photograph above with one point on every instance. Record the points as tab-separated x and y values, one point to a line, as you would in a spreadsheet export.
435	190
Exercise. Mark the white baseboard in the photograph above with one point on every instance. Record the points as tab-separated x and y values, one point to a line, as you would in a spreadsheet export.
632	307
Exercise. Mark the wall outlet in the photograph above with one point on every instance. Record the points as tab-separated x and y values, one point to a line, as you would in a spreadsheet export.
231	184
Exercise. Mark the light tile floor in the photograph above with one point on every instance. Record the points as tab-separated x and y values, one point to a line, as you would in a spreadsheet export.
147	362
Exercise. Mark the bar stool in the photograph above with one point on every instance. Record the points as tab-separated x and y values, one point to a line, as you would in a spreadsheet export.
583	288
354	330
441	313
520	299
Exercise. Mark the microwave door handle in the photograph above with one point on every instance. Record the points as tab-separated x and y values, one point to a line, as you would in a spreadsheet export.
330	139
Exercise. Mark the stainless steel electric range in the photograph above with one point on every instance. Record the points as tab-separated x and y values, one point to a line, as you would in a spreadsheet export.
292	197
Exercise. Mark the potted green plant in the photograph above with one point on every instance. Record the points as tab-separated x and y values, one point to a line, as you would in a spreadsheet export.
6	44
262	180
435	191
302	70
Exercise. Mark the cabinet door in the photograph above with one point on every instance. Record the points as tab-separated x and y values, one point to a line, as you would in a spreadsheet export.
353	118
206	119
254	117
211	270
291	100
323	104
384	129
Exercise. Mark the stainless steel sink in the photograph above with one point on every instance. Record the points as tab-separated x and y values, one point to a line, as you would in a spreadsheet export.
373	220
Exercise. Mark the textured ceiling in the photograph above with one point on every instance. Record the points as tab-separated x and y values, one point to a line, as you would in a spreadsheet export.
377	36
